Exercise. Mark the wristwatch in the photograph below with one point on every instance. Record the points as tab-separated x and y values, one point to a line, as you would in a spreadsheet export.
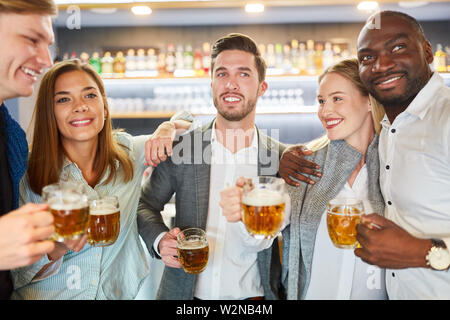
438	258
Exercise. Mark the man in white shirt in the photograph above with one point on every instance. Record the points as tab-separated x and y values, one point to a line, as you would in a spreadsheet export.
414	237
204	162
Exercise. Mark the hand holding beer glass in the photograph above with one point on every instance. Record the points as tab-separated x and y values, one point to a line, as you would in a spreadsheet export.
342	217
68	202
193	250
263	205
104	221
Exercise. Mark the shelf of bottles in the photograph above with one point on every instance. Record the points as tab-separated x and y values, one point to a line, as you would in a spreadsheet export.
155	83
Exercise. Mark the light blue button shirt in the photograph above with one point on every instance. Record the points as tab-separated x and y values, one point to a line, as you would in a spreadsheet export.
114	272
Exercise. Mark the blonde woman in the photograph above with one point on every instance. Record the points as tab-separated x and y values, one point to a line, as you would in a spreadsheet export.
73	138
312	267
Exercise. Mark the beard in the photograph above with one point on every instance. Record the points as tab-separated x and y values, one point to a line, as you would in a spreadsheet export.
236	115
413	86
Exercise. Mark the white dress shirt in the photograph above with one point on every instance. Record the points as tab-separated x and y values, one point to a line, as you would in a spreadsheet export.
337	274
415	182
232	270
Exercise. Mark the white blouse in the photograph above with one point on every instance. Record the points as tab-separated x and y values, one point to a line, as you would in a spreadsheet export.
337	274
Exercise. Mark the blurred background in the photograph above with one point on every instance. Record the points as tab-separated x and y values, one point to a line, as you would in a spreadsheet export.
154	55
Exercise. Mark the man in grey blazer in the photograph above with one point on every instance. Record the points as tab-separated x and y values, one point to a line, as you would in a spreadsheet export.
205	161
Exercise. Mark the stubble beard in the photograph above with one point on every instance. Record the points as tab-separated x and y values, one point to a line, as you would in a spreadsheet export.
249	106
413	86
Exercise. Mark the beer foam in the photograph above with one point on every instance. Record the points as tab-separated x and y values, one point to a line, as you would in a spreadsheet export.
194	244
263	197
67	206
103	210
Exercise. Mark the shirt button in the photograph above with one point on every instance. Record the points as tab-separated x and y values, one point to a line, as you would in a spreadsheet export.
393	130
387	167
393	275
389	202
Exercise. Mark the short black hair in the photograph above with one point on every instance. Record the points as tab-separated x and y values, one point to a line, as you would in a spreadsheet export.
411	20
238	41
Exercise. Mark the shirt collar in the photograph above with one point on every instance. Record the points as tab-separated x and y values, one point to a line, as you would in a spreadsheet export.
253	145
421	103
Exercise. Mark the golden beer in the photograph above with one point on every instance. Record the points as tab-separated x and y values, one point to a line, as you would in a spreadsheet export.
104	221
193	250
68	204
342	220
70	222
263	213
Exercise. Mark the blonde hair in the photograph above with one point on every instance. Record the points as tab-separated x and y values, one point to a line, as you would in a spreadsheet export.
44	7
349	68
47	152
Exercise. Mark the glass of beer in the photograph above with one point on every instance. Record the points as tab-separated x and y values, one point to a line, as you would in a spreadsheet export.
104	221
193	250
263	204
68	202
342	217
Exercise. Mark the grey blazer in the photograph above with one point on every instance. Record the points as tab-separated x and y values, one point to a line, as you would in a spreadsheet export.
309	202
187	174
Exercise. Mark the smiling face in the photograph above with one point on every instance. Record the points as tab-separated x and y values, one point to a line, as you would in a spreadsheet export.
79	108
394	61
24	52
343	110
235	85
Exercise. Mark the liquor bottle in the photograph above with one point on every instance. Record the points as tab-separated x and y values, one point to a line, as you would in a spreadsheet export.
287	62
188	58
130	62
84	57
271	59
94	61
278	56
141	61
336	53
152	60
294	56
262	51
206	57
198	66
440	63
119	65
318	58
327	56
302	58
310	58
170	59
161	63
107	64
179	58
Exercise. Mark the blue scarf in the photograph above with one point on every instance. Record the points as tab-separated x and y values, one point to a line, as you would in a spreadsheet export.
17	152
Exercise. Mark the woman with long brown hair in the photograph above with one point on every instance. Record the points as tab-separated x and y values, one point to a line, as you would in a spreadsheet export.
73	139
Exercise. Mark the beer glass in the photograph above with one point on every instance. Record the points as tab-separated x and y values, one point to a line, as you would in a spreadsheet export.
193	250
104	221
68	202
263	204
342	217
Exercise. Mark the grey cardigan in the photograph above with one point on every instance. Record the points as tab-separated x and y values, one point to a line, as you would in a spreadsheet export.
337	161
189	179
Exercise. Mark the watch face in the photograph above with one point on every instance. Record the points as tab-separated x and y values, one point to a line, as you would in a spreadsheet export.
439	258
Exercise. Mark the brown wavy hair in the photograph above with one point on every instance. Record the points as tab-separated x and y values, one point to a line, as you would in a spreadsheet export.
47	152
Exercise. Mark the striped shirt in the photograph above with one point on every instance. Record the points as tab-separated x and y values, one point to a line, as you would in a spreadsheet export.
114	272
